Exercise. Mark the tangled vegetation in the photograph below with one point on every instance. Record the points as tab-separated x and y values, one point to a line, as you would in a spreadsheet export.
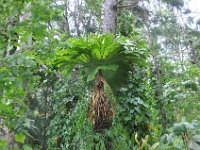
68	83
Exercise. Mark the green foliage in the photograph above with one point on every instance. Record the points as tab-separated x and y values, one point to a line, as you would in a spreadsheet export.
65	121
125	22
93	72
134	103
20	138
184	136
69	127
40	105
26	147
111	55
94	5
182	127
195	142
3	144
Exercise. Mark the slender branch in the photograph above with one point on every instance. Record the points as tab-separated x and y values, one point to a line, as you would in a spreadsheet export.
50	26
44	146
128	5
119	2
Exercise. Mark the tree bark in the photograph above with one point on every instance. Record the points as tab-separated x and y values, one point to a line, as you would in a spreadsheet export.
76	16
66	20
194	54
158	94
44	143
158	89
110	15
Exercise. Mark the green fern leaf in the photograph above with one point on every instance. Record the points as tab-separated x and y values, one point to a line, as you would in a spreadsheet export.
93	72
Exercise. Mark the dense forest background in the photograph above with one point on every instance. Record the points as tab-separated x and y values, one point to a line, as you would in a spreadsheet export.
99	75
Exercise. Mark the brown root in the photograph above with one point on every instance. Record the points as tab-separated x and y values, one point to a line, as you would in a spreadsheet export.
99	109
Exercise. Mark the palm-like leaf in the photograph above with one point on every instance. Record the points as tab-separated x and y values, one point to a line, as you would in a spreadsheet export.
102	56
111	55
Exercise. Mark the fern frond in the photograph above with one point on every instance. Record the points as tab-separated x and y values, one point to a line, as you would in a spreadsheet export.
96	52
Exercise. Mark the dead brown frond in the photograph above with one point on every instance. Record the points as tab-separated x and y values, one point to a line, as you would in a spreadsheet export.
99	109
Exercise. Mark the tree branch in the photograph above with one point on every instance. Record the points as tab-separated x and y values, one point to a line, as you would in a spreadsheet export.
128	5
119	2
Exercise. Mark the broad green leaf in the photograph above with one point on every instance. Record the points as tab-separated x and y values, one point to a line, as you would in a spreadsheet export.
154	146
194	145
95	51
182	127
191	85
26	147
3	144
94	71
196	138
20	138
166	139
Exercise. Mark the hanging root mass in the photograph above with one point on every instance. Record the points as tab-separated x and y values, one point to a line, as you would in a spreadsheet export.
99	109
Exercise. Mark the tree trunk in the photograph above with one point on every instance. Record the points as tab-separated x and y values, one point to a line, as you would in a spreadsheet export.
110	15
99	110
158	88
44	142
76	16
158	94
66	20
194	54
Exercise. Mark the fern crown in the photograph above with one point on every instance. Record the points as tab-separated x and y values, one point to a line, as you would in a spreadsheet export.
102	52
